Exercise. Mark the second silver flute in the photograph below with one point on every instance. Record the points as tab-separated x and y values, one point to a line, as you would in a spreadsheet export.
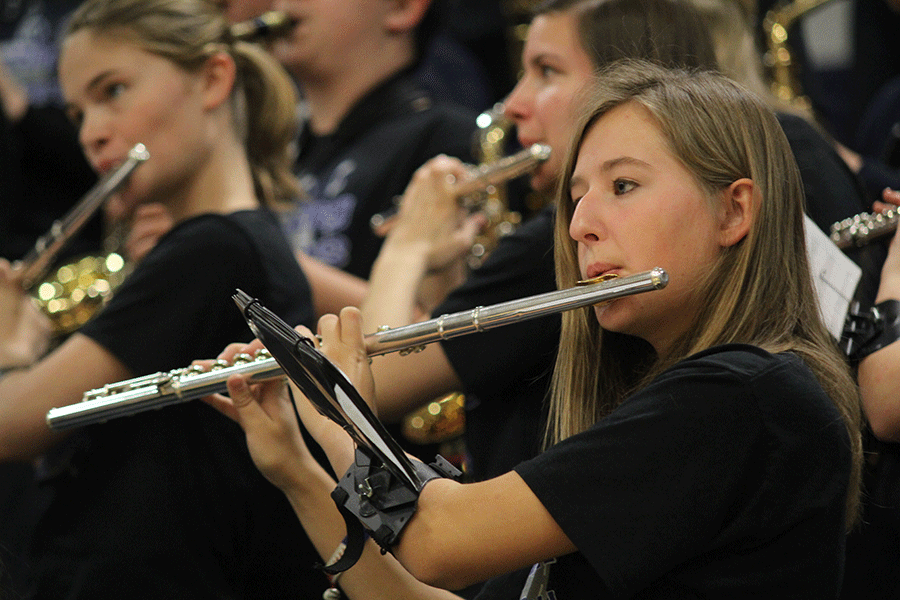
480	178
164	389
37	262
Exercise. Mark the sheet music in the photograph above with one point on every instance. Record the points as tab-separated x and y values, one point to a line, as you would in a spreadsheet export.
835	277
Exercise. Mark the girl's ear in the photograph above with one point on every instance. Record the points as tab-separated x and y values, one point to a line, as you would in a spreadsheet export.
219	75
737	212
405	15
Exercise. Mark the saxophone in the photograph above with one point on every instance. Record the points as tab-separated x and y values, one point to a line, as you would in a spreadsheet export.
442	421
71	294
785	82
491	139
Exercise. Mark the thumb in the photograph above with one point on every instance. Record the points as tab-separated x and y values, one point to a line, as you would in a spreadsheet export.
240	393
473	225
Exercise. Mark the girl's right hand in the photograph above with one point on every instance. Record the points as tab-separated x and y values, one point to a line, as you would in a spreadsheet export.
265	413
430	216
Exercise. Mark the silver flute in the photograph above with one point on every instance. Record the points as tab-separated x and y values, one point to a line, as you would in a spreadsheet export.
481	177
181	385
37	262
270	24
863	228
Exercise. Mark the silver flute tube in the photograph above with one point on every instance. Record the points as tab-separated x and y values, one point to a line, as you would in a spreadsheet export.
863	228
481	177
164	389
502	170
269	24
37	262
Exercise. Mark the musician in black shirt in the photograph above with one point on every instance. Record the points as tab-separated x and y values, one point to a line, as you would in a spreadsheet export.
168	504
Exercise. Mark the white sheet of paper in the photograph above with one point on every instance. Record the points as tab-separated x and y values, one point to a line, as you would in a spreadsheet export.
835	277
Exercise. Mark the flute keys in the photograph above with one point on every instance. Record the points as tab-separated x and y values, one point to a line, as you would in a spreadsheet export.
241	359
860	229
193	370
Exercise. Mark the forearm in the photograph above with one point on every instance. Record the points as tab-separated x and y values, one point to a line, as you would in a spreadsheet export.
375	576
14	96
879	372
462	534
394	285
24	434
332	289
404	383
59	379
878	377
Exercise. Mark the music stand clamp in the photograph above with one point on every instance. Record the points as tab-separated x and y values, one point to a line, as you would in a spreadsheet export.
381	488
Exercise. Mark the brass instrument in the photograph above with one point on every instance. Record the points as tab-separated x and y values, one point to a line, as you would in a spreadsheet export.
482	179
443	419
71	295
164	389
492	140
861	229
778	20
268	25
438	422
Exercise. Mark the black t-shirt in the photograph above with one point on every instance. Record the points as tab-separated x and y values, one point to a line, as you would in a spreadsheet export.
358	170
726	477
167	503
506	370
177	305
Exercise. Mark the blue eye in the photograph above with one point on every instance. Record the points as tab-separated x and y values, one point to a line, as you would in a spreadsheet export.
114	90
546	71
622	186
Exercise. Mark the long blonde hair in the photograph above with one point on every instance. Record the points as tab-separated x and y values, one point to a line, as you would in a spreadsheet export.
188	32
760	292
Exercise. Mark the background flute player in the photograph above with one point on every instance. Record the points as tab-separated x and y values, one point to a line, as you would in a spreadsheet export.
164	506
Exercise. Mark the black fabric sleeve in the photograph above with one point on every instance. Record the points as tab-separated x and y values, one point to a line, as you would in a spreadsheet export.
492	362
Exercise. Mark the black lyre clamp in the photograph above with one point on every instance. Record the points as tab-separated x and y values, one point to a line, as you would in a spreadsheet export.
380	490
866	331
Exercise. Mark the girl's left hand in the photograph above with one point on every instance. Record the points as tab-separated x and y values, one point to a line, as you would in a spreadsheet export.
265	412
889	286
25	332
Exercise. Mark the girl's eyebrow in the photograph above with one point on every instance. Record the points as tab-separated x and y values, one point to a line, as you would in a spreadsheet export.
610	165
541	57
623	160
